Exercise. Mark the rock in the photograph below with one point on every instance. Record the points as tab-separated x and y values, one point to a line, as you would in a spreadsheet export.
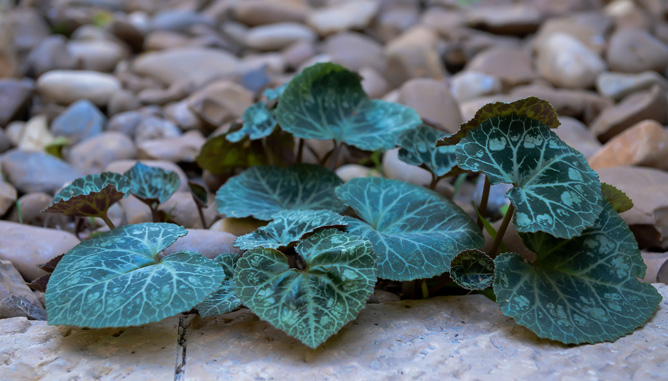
181	148
81	121
209	243
381	296
631	110
175	92
277	36
343	16
179	20
373	83
182	115
164	40
619	85
7	197
123	29
121	166
14	99
578	136
28	246
32	205
299	52
65	87
581	104
589	28
566	62
181	209
511	65
355	51
643	144
348	172
5	142
439	338
220	102
648	219
151	128
394	19
16	299
194	65
122	101
50	54
433	101
654	262
394	168
631	51
467	85
135	211
627	14
93	155
264	12
413	55
127	122
33	350
28	28
258	79
517	19
237	226
97	55
36	171
35	134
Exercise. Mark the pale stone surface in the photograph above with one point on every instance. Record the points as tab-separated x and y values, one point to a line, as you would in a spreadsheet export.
455	337
209	243
566	62
16	299
643	144
68	86
343	16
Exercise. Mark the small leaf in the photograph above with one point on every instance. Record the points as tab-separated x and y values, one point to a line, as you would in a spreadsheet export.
618	199
273	94
259	122
55	148
288	227
199	193
418	148
225	299
414	231
152	184
582	290
117	280
90	196
472	270
326	102
263	191
218	155
554	191
315	303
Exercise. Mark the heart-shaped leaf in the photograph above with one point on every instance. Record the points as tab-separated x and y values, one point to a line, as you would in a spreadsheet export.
472	269
555	190
418	148
582	290
326	102
289	226
414	231
225	299
90	196
618	199
152	184
218	155
311	304
116	279
259	122
263	191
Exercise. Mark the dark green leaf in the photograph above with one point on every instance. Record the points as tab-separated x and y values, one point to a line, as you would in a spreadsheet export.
90	196
618	199
199	194
152	184
327	102
259	122
472	269
583	290
414	231
55	148
225	299
311	304
218	155
263	191
418	148
117	280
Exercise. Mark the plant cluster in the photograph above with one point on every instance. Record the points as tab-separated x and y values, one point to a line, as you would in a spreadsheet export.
312	267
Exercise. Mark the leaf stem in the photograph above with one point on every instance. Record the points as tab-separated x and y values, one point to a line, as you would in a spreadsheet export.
270	156
201	215
335	156
434	181
300	151
425	289
483	202
107	221
502	231
154	213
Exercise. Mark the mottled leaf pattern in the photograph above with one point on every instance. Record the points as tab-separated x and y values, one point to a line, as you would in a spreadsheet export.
472	269
583	290
225	299
152	184
273	94
263	191
618	199
414	231
288	227
418	148
327	102
115	279
259	122
312	304
90	196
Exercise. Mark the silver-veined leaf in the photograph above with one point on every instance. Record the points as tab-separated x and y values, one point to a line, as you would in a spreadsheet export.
418	147
152	184
90	196
259	122
225	299
472	269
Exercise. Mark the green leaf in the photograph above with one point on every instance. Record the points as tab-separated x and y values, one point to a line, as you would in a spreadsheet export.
582	290
90	196
218	155
618	199
225	299
259	122
326	102
263	191
273	94
315	303
555	190
116	279
152	184
472	269
418	148
199	194
55	148
414	231
289	226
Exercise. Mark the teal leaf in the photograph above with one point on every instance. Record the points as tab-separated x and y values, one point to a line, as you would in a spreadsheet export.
618	199
152	184
555	190
219	155
288	227
315	303
418	148
414	231
263	191
273	94
472	269
582	290
225	299
199	193
116	279
259	122
90	196
326	102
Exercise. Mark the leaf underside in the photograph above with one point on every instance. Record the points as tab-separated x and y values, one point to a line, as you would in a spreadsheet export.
472	269
418	148
90	196
414	231
618	199
199	194
225	299
152	184
582	290
259	122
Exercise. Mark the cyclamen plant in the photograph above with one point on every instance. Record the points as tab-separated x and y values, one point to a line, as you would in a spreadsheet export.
310	270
